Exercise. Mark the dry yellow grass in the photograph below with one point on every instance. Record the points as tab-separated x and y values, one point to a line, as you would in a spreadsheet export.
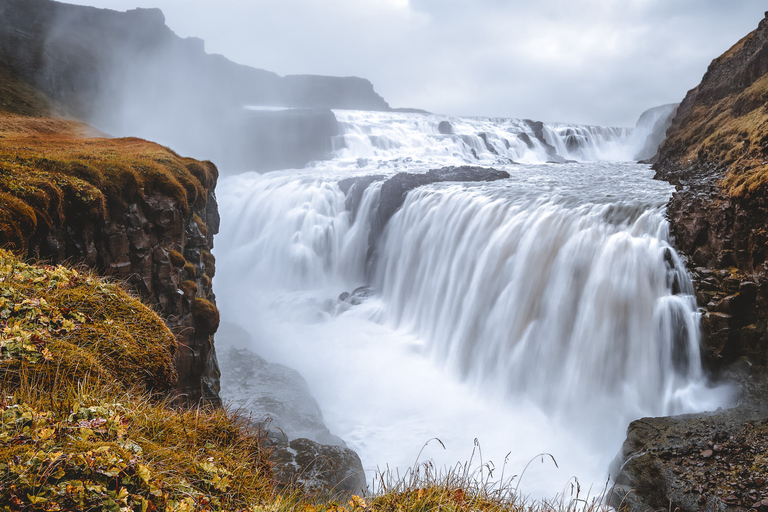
727	126
82	426
49	173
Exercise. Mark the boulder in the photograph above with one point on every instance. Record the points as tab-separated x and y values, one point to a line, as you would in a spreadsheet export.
331	471
445	128
709	461
273	396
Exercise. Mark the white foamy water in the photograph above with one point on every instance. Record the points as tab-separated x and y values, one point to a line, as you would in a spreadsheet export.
539	313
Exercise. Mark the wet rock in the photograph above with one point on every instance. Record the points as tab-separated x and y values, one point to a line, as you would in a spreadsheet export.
488	145
708	461
445	128
273	396
395	189
354	188
357	297
321	470
537	127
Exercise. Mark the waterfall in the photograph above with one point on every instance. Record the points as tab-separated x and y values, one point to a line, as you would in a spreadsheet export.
571	307
404	140
537	313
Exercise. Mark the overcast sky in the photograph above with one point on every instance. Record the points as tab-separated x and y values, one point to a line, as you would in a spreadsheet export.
585	61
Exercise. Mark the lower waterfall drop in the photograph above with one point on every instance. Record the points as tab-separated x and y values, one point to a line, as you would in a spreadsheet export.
539	313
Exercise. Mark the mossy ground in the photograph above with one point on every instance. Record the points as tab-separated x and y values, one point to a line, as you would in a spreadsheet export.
728	130
49	173
83	364
736	137
83	425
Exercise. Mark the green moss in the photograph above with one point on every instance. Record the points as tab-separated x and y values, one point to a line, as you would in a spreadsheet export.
206	314
60	322
61	177
210	264
17	222
177	259
189	288
200	224
206	282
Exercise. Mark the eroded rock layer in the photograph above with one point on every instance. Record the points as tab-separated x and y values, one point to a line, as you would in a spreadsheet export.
126	208
716	153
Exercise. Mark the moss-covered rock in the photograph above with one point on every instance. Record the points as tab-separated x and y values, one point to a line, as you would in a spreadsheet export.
123	207
63	324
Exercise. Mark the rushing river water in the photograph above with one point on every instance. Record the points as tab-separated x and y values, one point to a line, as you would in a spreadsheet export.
538	313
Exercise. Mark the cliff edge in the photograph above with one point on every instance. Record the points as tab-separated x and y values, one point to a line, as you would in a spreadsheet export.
716	154
126	208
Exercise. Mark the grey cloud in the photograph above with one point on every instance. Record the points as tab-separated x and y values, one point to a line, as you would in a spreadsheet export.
592	61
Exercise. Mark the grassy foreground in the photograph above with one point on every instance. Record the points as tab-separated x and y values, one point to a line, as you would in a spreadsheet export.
83	423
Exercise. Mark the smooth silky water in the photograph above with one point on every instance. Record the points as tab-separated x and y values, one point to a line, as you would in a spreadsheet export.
536	314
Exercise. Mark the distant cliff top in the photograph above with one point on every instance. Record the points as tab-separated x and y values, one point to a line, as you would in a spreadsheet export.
721	128
95	58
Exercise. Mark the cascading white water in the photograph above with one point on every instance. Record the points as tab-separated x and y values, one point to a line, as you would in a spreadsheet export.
540	313
396	140
571	307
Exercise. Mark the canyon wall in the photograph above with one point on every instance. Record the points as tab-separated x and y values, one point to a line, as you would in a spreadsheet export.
716	154
127	73
127	208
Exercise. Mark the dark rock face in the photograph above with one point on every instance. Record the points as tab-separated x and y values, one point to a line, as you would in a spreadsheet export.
325	470
538	131
711	461
656	121
715	461
725	242
394	190
129	74
164	256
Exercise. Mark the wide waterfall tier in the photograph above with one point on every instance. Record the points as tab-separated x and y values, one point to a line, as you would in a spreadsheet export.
384	139
537	307
580	309
574	300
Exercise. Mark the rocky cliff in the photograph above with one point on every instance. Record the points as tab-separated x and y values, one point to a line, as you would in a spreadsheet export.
127	73
716	153
126	208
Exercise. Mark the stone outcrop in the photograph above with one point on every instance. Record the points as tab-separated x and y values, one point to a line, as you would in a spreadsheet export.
538	131
321	470
164	256
275	397
716	154
712	461
126	208
395	188
276	400
127	73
